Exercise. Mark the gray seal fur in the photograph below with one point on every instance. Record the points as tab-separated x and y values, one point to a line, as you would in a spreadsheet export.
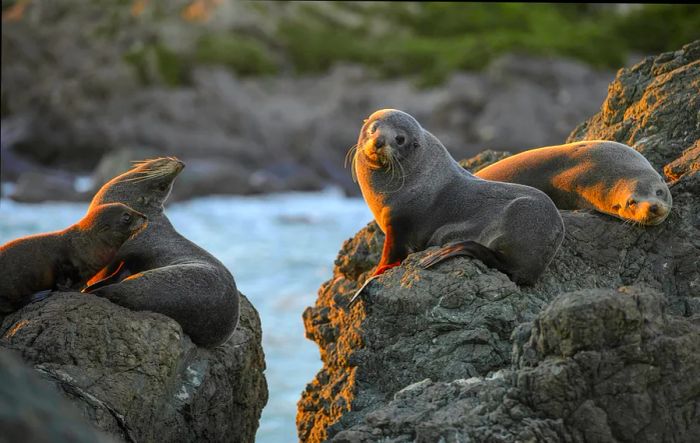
421	197
605	176
66	259
165	272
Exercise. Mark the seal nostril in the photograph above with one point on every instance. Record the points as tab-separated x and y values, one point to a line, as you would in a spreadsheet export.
379	142
654	209
631	202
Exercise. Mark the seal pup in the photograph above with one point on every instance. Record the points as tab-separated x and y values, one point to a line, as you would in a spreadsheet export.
606	176
421	197
64	259
162	271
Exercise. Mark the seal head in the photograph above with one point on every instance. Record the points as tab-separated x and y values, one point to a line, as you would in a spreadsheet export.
645	200
145	187
387	137
113	223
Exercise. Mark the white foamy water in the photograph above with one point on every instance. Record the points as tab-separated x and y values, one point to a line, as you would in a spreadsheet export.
280	248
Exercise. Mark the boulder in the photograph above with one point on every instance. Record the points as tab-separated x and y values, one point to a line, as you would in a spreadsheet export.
637	110
603	348
32	410
39	186
136	375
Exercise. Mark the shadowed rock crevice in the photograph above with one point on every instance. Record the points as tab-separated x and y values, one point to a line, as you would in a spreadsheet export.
602	348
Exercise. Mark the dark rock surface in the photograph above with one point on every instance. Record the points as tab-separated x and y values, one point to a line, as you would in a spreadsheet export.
603	348
652	106
136	376
32	410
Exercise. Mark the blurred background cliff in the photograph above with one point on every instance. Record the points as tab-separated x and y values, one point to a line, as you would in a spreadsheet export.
268	96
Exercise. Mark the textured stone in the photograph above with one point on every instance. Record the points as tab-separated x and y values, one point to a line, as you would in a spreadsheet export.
605	347
136	376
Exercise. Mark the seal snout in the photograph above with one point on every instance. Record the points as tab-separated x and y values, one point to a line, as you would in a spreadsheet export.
646	211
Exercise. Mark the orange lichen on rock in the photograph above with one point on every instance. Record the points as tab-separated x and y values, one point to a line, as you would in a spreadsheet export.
15	12
332	323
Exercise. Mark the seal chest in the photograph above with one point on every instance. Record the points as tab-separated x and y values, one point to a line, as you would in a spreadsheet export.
421	197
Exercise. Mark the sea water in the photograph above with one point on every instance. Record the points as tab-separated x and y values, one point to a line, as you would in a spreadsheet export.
279	247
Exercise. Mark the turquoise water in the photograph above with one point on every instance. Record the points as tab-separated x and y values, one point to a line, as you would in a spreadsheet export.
280	248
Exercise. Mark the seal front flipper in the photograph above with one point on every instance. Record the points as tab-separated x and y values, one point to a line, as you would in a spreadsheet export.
467	248
97	281
392	254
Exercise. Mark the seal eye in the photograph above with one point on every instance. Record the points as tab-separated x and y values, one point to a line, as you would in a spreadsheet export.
400	139
163	187
126	218
631	202
659	192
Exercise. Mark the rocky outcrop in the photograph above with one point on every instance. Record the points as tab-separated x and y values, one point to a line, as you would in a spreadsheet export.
136	376
602	348
32	410
652	106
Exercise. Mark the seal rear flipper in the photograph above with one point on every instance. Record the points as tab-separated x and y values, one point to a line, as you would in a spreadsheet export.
468	248
115	277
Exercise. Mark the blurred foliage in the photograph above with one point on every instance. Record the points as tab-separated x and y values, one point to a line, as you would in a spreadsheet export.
241	54
433	39
155	63
164	39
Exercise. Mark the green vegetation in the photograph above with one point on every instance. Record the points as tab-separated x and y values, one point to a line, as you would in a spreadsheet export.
241	54
431	40
156	63
426	41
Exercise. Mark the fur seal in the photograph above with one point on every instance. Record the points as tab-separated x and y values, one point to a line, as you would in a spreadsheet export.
162	271
609	177
421	197
64	259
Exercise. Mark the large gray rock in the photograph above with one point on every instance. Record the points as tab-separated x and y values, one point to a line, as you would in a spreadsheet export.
136	376
596	365
32	410
637	109
603	348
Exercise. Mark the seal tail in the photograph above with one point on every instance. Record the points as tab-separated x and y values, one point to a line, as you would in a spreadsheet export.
468	248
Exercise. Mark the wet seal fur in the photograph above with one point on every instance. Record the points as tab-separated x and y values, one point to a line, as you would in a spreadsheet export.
421	197
162	271
606	176
66	259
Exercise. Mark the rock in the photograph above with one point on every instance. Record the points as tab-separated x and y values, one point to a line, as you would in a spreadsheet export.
687	163
40	186
535	101
32	410
587	381
136	376
603	348
636	111
483	159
